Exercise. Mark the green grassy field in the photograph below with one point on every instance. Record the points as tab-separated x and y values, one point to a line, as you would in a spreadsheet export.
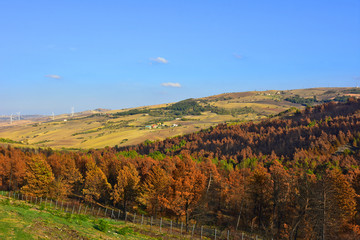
19	220
108	129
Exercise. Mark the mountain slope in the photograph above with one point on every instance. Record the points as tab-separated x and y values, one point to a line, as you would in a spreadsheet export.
132	126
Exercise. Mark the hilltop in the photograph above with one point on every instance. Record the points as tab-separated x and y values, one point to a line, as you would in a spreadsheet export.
101	127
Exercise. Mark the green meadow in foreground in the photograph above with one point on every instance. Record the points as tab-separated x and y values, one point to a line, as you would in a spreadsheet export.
19	220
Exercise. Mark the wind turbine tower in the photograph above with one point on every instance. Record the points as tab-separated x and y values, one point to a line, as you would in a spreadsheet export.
53	116
357	81
11	119
19	116
72	111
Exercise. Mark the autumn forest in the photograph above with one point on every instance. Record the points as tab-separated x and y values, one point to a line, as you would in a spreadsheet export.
294	176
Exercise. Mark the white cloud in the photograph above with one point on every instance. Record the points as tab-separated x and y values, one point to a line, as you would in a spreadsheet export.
159	60
170	84
53	76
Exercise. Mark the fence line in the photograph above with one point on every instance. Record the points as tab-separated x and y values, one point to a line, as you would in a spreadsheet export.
162	225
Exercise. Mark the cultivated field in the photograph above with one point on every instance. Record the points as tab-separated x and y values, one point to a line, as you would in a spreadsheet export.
97	129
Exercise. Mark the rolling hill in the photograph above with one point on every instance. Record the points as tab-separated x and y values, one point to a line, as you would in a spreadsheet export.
100	128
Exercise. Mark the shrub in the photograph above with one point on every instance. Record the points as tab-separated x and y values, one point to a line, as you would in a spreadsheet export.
102	225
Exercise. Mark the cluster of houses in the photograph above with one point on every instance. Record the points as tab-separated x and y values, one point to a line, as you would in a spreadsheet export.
159	125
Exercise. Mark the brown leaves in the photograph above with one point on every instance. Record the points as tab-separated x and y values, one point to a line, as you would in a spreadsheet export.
127	187
96	186
187	186
155	190
39	178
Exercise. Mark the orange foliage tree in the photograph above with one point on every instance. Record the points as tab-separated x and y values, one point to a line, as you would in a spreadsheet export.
126	190
187	187
96	186
39	178
12	169
155	190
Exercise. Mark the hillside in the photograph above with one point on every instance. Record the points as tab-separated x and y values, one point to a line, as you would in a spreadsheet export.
319	130
295	176
21	220
100	128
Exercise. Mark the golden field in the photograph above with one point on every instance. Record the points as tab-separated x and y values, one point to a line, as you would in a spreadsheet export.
93	129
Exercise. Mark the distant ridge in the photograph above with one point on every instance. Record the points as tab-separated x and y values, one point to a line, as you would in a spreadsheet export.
103	127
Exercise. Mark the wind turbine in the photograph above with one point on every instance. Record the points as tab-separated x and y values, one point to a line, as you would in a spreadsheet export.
53	116
72	111
11	119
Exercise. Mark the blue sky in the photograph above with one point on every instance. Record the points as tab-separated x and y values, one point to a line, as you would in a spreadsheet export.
119	54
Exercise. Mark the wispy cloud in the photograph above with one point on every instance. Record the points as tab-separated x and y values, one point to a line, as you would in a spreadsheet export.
170	84
159	60
238	56
53	76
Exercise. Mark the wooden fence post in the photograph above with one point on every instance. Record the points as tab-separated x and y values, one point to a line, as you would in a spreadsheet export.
171	226
142	219
192	232
215	233
160	223
201	232
182	224
238	222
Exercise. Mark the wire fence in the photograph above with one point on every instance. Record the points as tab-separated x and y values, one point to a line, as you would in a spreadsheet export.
163	225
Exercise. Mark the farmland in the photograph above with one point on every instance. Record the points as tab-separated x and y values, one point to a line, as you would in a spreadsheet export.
97	129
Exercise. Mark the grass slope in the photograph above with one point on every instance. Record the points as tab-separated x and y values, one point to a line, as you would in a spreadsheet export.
110	128
19	220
